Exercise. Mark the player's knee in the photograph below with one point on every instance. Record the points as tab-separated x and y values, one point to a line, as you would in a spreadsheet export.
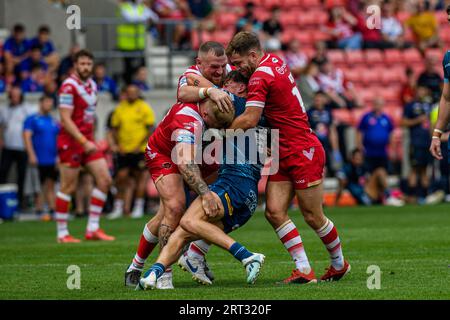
188	225
173	209
314	219
275	217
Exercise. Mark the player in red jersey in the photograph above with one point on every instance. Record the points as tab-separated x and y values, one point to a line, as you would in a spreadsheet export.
194	85
76	148
272	91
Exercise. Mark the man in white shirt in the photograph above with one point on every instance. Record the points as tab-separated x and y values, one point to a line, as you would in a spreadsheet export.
12	118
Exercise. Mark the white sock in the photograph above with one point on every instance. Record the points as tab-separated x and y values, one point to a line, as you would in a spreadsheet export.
118	205
138	205
98	199
198	249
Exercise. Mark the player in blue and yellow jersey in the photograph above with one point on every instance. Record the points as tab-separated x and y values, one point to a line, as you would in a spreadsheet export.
237	189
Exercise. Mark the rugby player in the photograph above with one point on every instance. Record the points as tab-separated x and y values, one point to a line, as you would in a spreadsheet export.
76	148
196	84
237	189
272	92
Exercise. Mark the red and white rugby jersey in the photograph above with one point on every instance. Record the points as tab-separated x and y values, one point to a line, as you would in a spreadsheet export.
273	88
81	97
182	81
182	123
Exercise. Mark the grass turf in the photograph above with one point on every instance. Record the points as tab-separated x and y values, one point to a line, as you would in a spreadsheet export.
409	244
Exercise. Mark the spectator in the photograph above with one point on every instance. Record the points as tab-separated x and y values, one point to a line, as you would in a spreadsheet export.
48	52
12	118
66	64
35	81
2	79
424	26
431	79
176	10
35	59
295	58
132	122
40	132
340	91
131	35
140	79
200	8
249	21
321	53
391	27
372	37
321	121
341	28
308	84
416	118
272	27
104	83
408	91
373	137
15	49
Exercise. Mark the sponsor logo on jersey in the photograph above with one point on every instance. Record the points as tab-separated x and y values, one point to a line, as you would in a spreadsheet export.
282	69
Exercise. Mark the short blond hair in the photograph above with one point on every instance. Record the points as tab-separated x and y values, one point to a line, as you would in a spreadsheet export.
224	119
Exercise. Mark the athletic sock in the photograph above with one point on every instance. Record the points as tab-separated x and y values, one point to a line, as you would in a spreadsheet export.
198	249
147	243
292	241
330	238
157	268
62	204
118	205
239	251
138	205
98	199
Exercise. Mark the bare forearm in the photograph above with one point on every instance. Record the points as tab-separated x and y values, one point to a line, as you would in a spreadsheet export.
334	139
193	177
28	144
71	128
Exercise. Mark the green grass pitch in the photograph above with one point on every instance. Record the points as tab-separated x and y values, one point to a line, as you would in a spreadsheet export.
411	245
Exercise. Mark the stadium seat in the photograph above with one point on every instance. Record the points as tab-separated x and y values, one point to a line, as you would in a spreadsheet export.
223	37
226	19
437	54
441	17
393	56
286	36
371	76
262	13
390	95
374	57
309	4
337	57
289	18
320	36
304	38
391	76
353	75
355	57
269	4
396	114
289	4
367	96
412	56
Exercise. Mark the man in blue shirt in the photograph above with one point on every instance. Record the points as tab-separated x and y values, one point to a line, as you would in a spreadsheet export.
373	136
40	131
105	83
416	118
15	49
35	81
47	48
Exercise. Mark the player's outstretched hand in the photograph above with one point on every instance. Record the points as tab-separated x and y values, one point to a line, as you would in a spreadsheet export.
435	148
211	205
222	99
89	147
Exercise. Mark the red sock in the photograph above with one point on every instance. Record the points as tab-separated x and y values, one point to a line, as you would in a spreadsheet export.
62	204
292	241
98	200
147	243
330	238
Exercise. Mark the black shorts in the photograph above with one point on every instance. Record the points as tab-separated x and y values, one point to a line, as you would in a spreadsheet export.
47	172
373	163
420	156
131	161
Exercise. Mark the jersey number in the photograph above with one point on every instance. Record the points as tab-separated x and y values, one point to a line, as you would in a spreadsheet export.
296	93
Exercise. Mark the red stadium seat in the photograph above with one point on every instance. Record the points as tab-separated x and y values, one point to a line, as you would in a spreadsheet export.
355	57
223	37
402	16
390	76
199	37
342	116
390	95
395	112
226	19
412	56
371	76
308	4
320	17
289	18
393	56
353	75
289	4
304	38
441	17
269	4
374	57
368	96
436	54
262	13
320	36
336	56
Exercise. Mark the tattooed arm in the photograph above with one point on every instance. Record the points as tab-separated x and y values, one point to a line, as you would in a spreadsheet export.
193	177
